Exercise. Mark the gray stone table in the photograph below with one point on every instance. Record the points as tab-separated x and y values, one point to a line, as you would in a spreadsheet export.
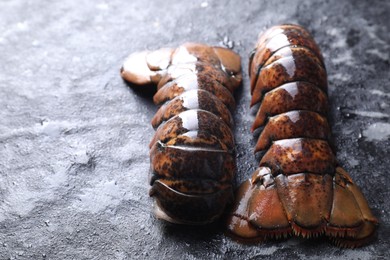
73	136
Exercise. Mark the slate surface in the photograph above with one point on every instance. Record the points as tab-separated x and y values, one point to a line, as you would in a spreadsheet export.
73	137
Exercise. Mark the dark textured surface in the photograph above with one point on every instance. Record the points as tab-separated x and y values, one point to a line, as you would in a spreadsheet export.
74	138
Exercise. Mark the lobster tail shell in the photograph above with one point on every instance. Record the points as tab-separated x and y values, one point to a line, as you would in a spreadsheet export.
298	189
192	152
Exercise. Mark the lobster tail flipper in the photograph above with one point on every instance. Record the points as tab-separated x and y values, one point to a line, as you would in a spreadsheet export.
351	222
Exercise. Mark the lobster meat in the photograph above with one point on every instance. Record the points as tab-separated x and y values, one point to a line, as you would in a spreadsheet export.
192	152
299	188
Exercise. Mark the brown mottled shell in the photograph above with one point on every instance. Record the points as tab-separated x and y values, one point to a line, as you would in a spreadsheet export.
293	124
276	40
204	69
297	30
196	129
175	162
299	155
216	63
307	199
192	99
291	96
190	82
292	65
220	57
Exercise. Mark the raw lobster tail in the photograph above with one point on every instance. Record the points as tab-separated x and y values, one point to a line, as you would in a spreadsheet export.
192	152
298	189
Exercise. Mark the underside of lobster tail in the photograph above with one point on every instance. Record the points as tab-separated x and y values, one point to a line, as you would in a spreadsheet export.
298	189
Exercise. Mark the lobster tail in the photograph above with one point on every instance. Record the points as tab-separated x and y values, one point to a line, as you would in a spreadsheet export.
192	152
298	188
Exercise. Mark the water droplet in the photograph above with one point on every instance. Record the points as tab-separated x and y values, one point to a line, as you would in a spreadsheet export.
227	42
22	26
35	43
102	6
377	132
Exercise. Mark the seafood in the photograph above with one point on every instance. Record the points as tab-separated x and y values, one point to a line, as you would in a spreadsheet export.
299	188
192	153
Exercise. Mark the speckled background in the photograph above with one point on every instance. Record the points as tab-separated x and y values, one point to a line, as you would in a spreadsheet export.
73	137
